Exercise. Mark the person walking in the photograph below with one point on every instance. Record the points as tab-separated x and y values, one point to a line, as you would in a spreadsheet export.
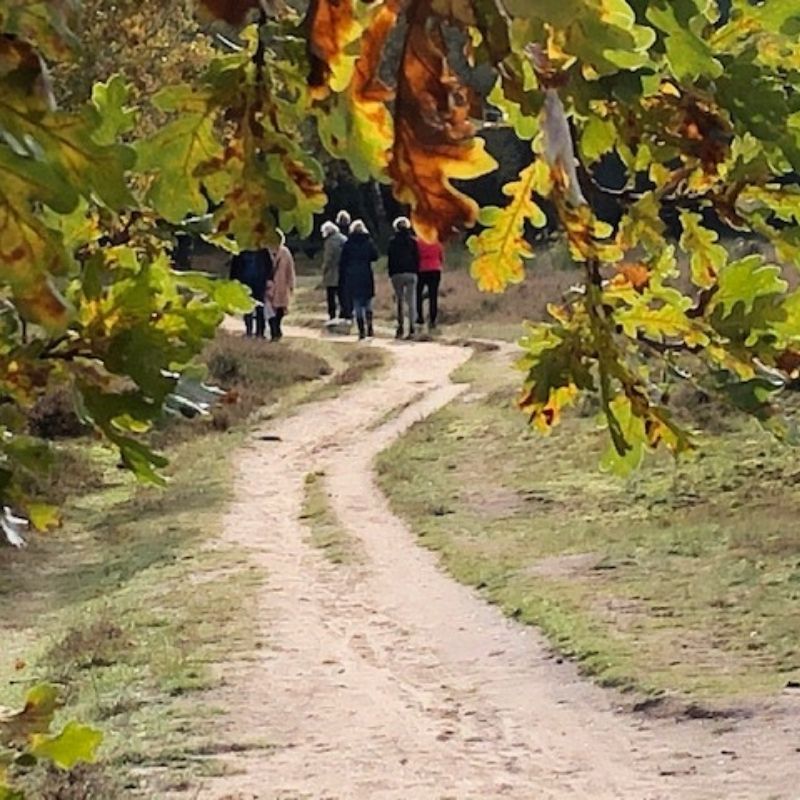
403	272
343	221
334	241
431	263
254	269
345	303
355	269
281	288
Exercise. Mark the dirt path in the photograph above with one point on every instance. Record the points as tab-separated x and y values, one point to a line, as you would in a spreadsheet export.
389	681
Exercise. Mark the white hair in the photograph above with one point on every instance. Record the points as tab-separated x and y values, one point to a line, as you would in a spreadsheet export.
327	229
343	218
402	224
358	226
281	237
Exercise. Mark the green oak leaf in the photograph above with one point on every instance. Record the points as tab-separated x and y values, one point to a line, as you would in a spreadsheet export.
745	281
116	117
74	745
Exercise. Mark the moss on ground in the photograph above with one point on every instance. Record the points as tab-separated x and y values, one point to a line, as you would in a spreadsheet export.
684	579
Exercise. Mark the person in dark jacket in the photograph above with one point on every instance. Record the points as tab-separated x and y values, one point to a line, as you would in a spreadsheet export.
355	269
253	268
403	271
345	304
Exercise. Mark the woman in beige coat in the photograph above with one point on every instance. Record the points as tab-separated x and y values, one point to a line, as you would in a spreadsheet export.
281	288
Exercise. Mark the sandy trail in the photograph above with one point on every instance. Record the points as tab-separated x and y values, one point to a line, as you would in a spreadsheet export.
389	681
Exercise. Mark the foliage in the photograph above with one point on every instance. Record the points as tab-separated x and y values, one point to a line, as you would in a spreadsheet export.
698	109
697	106
25	739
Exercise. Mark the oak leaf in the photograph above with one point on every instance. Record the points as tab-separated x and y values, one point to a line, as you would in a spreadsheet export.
501	249
331	26
435	139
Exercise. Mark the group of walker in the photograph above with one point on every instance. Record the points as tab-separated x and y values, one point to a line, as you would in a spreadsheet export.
414	266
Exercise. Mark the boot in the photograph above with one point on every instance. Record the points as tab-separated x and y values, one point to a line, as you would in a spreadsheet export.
361	332
370	330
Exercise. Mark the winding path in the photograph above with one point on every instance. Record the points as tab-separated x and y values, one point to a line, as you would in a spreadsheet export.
389	681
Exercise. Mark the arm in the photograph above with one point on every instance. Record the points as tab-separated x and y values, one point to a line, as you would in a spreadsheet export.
327	254
292	276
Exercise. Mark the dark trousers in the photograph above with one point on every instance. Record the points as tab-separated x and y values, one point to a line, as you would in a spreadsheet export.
333	296
257	316
431	281
345	304
275	331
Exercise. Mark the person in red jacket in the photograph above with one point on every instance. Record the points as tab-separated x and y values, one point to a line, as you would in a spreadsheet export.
431	262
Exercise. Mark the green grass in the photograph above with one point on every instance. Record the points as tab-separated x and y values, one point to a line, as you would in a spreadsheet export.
325	530
683	580
128	607
109	610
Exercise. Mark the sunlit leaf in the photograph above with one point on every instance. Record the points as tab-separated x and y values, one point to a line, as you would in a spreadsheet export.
74	745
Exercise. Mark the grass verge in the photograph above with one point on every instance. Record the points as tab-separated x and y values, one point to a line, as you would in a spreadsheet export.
682	581
325	530
128	608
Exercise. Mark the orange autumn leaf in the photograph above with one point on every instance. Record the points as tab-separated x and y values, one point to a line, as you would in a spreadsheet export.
636	274
435	139
368	94
331	26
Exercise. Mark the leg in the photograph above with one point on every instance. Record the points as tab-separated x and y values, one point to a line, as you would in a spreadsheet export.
261	322
248	324
433	294
280	313
345	304
420	288
332	292
368	307
397	284
360	312
410	296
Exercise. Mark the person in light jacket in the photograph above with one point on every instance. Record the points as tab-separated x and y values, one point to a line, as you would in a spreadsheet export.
355	268
331	255
253	268
281	288
403	271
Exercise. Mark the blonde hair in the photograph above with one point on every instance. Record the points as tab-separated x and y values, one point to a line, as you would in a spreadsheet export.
402	224
358	226
327	229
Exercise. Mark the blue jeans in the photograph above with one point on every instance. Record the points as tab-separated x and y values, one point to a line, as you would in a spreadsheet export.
362	306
